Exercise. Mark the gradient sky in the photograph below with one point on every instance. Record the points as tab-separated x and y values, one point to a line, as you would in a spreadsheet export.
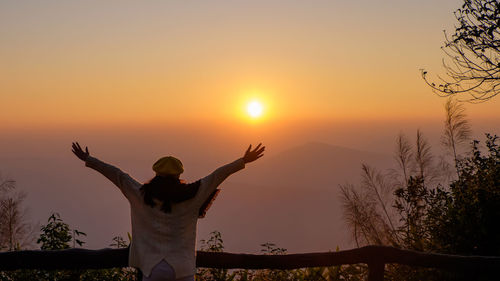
125	76
95	62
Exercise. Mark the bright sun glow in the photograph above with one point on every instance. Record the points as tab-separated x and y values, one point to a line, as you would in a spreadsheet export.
254	109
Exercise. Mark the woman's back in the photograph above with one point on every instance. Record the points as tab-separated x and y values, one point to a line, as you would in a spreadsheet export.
166	231
156	234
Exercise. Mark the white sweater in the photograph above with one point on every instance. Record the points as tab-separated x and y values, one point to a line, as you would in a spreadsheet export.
157	235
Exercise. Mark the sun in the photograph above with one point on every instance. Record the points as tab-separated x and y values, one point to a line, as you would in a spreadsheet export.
255	109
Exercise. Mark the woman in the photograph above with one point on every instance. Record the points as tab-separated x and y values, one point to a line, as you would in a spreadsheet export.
164	212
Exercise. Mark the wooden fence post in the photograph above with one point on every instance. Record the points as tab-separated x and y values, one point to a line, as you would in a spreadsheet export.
376	271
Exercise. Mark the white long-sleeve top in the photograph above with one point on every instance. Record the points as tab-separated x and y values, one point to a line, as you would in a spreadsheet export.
157	235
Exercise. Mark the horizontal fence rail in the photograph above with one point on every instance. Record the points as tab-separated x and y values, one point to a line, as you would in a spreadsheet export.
374	256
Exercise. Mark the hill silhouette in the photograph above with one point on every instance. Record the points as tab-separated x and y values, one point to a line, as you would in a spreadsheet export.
291	199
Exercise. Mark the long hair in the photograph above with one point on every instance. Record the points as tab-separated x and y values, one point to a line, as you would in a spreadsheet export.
168	190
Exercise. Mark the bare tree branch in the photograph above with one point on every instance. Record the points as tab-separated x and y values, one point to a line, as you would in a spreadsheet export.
474	52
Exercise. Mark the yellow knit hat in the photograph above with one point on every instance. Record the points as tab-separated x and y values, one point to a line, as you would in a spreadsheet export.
168	166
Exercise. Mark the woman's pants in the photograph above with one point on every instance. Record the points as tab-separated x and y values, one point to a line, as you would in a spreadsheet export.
164	272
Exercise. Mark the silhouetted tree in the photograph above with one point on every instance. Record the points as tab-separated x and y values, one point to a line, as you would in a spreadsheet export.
473	51
456	217
15	231
56	234
410	205
465	218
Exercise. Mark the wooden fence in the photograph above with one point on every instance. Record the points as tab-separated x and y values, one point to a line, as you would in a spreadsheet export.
376	257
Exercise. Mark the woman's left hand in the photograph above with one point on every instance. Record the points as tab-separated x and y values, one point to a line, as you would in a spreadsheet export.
252	155
78	151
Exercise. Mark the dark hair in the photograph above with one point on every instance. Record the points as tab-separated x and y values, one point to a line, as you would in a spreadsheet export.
168	190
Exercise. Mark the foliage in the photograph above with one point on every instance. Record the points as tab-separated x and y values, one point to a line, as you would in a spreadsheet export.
112	274
215	244
365	209
387	209
119	242
464	219
411	206
457	129
455	217
392	208
15	232
474	52
57	235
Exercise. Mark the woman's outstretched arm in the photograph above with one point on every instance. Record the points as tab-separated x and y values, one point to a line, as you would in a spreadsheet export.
122	180
210	182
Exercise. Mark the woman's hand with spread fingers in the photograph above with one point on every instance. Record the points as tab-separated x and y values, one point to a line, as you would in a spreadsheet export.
78	151
252	155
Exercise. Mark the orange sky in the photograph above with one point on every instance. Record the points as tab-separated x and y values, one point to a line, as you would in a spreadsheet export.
99	63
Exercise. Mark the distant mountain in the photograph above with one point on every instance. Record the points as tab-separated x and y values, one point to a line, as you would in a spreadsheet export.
313	165
291	199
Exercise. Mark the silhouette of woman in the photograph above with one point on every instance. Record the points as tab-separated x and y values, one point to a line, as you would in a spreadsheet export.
164	212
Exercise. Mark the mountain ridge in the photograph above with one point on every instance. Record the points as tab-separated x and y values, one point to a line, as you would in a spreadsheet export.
277	200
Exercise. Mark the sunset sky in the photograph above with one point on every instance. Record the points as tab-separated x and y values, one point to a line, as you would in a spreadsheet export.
135	80
129	62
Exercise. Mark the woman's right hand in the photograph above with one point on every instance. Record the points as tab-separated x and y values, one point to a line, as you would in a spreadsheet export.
78	151
252	155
